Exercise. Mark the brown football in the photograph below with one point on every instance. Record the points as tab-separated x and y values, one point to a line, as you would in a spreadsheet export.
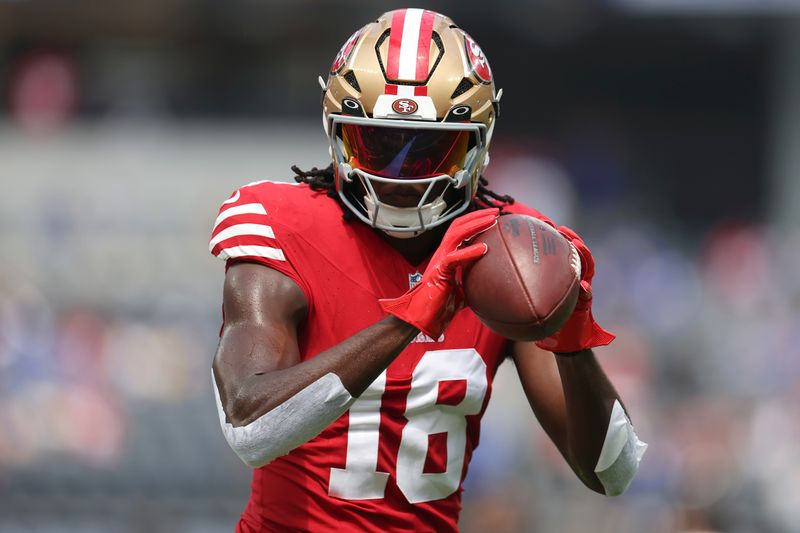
526	286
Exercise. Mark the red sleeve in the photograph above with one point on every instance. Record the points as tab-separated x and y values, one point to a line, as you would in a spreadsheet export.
246	231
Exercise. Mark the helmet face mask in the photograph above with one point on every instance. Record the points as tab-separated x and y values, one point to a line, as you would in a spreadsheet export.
409	104
358	184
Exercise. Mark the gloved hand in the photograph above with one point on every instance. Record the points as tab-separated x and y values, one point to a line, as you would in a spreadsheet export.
433	302
581	331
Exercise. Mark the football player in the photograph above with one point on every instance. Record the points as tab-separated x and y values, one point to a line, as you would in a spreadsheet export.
349	375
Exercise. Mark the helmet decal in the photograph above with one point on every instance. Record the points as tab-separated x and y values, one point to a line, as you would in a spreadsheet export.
480	66
404	106
344	52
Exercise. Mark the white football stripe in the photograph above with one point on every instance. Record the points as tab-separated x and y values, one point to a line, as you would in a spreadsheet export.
242	229
405	90
244	209
407	66
252	251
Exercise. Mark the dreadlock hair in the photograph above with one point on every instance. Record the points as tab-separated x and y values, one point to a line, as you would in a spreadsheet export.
322	180
487	198
316	178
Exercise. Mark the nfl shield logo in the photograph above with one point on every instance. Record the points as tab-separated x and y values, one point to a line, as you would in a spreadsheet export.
413	279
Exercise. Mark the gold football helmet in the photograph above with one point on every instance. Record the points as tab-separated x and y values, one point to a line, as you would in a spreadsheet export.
409	108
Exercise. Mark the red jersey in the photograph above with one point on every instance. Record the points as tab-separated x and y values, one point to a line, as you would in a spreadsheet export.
396	460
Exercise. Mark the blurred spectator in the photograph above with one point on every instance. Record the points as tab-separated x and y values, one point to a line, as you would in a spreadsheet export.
43	90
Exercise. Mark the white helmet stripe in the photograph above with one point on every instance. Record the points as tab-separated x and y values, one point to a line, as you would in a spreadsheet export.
407	69
409	45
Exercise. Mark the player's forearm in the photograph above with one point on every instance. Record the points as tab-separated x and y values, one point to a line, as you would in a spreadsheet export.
589	397
274	412
361	358
356	362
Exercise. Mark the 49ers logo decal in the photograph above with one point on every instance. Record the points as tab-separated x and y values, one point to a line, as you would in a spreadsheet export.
480	66
404	106
344	53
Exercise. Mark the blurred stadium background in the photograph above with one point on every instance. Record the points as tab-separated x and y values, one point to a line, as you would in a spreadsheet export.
667	132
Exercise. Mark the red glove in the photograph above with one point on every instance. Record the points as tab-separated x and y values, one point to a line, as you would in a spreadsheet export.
581	331
433	302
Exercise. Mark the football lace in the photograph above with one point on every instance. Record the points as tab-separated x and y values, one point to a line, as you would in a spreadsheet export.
575	260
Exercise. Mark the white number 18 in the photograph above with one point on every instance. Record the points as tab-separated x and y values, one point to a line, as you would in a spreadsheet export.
361	480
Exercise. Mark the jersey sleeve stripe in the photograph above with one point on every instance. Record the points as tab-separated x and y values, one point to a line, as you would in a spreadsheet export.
244	209
241	230
252	251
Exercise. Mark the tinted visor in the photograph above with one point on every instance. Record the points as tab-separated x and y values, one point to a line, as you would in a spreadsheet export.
405	152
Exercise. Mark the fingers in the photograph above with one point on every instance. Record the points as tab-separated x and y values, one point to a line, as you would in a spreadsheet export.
568	233
587	260
476	214
472	222
470	225
464	256
585	291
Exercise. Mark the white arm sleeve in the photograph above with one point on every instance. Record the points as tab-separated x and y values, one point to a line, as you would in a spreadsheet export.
622	451
294	422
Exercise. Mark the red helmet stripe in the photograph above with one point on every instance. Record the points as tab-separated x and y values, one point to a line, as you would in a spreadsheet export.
395	41
410	45
424	45
421	91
